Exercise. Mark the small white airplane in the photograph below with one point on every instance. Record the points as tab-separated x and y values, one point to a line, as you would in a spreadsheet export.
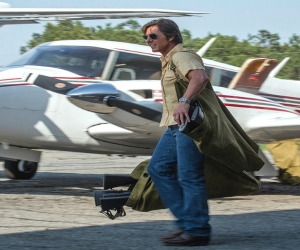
43	127
99	97
105	97
257	76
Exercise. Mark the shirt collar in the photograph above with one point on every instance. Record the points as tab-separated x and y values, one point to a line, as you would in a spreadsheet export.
167	58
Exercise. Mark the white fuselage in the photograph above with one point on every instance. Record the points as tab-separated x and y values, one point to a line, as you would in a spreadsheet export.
285	92
35	118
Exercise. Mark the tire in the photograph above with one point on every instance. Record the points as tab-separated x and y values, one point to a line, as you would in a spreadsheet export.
20	170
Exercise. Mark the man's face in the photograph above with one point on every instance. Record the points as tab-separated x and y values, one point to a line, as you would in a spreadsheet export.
160	43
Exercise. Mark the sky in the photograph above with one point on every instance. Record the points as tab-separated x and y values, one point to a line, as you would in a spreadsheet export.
231	17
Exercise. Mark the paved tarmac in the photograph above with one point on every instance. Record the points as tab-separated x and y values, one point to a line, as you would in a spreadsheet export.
55	210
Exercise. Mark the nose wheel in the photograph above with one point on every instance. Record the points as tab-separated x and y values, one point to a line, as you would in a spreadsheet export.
20	169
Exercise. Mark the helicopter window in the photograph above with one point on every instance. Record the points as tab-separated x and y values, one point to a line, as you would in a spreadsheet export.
136	67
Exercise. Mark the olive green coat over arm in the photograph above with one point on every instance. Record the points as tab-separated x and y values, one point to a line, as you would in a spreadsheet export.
231	156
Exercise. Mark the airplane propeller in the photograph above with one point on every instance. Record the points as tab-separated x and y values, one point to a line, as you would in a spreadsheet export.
102	94
97	97
50	83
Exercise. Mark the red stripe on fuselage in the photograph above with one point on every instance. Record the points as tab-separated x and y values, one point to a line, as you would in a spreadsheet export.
257	107
14	85
280	96
243	98
74	78
9	79
290	105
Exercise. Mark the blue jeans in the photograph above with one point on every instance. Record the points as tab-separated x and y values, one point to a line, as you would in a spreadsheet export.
177	170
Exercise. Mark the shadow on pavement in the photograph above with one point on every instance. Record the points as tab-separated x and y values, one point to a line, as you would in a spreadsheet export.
263	230
47	183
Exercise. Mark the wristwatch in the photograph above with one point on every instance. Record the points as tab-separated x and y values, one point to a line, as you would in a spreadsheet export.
183	99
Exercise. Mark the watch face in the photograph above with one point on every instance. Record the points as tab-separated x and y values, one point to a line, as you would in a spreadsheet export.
182	99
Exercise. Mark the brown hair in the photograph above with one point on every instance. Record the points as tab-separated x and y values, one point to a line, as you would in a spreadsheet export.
168	27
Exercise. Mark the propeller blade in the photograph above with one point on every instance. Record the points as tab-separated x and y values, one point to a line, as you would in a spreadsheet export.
65	88
50	83
134	108
104	98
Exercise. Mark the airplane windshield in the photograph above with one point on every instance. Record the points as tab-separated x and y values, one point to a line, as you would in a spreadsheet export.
81	60
93	62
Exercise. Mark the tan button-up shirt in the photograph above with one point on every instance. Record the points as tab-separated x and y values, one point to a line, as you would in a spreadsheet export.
184	63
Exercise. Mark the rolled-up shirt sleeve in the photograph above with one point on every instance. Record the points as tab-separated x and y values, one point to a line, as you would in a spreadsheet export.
186	62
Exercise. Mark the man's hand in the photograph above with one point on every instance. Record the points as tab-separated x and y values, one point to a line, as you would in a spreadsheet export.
197	82
180	112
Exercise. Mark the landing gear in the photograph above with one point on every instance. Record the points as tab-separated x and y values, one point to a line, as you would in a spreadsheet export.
20	169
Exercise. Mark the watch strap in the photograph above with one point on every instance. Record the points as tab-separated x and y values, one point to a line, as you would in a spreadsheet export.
183	99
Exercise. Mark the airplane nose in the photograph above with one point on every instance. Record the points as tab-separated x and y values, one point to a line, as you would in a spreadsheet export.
92	97
104	98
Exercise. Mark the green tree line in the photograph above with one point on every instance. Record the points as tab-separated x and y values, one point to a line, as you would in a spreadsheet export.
226	49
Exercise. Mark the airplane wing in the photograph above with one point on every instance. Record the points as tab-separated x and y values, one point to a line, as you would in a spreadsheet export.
34	15
274	129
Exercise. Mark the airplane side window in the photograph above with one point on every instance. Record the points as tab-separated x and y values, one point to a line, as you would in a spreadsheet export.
208	70
219	77
226	78
141	67
97	62
123	74
215	76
